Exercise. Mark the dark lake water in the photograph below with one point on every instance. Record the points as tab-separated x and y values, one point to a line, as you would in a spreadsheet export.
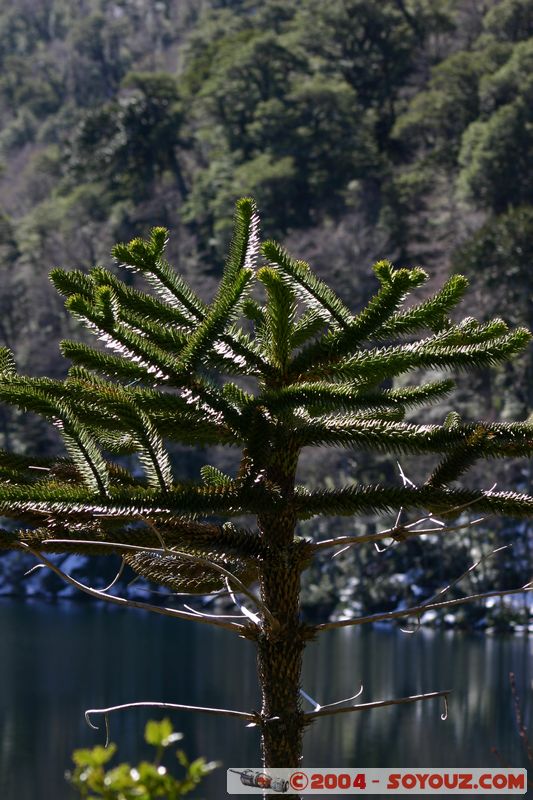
57	660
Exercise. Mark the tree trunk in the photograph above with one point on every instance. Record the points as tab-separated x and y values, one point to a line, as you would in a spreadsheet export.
280	649
279	661
280	664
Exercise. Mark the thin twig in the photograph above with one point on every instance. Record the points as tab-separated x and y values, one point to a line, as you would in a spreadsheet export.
522	730
325	712
116	578
316	705
405	480
470	569
216	616
453	583
311	700
247	613
34	569
340	702
381	550
121	601
402	532
415	610
157	533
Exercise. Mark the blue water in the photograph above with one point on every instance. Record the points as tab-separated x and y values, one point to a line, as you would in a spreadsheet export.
57	660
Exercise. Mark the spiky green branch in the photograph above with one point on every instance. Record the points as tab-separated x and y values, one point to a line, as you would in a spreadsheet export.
276	362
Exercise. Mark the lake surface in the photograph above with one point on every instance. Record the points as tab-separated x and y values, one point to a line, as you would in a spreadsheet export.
57	660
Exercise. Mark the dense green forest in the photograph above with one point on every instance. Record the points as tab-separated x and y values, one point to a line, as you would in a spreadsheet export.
398	129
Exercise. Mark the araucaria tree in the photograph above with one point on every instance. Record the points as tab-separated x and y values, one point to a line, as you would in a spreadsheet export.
277	362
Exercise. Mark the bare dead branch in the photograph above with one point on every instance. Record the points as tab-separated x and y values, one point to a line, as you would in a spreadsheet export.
121	601
186	557
400	532
172	706
416	610
415	698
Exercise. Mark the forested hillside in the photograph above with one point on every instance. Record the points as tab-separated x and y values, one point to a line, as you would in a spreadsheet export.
398	129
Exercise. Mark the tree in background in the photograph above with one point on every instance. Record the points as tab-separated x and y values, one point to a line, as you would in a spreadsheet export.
473	120
504	246
464	178
275	364
296	104
259	103
127	143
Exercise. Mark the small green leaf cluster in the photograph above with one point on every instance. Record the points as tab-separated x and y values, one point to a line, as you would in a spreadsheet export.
94	778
